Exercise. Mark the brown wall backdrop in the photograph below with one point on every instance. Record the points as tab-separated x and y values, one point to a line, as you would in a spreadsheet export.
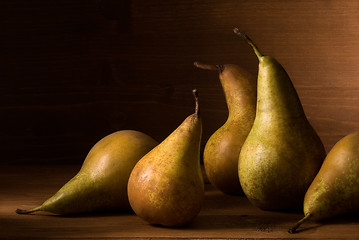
72	72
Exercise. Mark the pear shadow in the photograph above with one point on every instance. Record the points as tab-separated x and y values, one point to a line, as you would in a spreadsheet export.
85	214
285	211
225	211
159	226
98	214
305	229
257	223
346	219
222	200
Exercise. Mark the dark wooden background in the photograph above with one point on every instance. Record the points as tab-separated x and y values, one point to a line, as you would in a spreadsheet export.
72	72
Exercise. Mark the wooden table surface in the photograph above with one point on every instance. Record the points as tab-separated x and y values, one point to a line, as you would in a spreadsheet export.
222	216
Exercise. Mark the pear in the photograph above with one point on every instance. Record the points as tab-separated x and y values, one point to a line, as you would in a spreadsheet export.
282	153
220	156
101	183
166	186
335	189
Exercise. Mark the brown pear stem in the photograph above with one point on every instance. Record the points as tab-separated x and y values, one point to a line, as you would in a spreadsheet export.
297	225
22	211
211	67
195	94
249	41
206	66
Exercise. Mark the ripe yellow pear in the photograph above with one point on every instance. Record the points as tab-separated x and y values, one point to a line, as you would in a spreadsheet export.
101	183
166	186
221	153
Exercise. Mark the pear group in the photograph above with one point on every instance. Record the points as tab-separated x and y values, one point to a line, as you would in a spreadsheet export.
266	149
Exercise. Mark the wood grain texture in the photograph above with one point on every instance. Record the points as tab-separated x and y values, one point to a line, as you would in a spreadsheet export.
72	72
222	216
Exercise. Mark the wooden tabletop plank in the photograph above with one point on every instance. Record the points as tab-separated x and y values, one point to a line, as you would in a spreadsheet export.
222	216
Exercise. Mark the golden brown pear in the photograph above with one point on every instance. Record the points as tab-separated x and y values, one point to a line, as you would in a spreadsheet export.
101	183
220	156
166	186
335	189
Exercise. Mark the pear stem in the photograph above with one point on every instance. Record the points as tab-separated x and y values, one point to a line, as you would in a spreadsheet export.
296	226
211	67
205	66
195	94
22	211
249	41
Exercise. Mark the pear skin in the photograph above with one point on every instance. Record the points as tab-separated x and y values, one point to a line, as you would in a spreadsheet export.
282	153
335	189
166	186
221	153
101	183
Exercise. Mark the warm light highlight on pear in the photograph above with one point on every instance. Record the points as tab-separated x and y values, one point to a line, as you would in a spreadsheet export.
282	153
166	186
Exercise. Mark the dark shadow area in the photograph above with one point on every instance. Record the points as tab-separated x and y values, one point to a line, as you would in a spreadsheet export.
255	222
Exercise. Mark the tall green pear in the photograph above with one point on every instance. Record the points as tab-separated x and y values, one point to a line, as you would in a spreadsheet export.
101	183
166	186
282	153
220	156
335	189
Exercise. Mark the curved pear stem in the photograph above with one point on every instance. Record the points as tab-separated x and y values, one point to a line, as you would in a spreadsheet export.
22	211
297	225
249	41
211	67
206	66
195	94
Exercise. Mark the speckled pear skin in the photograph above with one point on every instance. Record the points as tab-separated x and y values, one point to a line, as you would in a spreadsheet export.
166	186
335	189
282	153
222	149
101	183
